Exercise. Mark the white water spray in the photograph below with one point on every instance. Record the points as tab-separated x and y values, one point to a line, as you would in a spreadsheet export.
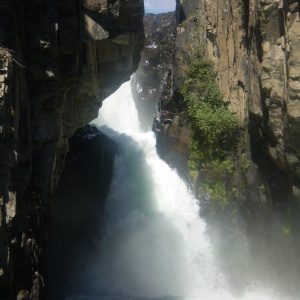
155	242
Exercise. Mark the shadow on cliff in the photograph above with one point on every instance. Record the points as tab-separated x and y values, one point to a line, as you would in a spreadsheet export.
79	205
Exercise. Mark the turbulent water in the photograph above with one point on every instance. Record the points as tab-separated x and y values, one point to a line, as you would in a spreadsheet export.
153	245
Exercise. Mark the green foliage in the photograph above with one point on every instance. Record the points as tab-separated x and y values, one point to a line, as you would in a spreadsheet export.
215	132
219	195
214	177
242	9
262	188
286	229
215	127
245	163
219	185
191	19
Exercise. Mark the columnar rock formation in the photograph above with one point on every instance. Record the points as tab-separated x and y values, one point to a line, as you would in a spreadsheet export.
67	56
254	45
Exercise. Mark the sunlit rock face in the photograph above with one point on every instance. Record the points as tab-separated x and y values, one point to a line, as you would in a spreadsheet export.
69	56
253	45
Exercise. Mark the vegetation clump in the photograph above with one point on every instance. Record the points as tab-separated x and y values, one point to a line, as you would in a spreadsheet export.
214	138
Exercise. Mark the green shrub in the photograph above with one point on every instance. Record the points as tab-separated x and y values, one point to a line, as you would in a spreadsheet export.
214	138
242	9
215	127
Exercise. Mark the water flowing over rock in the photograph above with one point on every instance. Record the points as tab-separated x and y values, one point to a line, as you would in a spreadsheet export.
66	57
60	59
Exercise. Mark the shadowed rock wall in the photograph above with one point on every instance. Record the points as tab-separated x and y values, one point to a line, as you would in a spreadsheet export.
78	219
67	57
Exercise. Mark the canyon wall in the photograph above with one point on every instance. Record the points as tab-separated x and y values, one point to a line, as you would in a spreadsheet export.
65	58
68	56
255	49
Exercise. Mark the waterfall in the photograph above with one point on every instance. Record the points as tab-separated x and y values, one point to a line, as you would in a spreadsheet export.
154	236
154	244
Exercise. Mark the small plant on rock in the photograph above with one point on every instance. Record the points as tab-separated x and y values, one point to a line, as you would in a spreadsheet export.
215	127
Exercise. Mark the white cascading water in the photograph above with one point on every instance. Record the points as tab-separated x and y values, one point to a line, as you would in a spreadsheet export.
155	243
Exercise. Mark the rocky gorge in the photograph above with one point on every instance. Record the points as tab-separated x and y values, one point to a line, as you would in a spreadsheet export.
68	57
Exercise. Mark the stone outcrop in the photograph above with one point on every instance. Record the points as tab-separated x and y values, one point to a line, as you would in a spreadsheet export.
67	57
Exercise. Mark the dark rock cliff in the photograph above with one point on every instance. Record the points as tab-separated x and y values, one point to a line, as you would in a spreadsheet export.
67	56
